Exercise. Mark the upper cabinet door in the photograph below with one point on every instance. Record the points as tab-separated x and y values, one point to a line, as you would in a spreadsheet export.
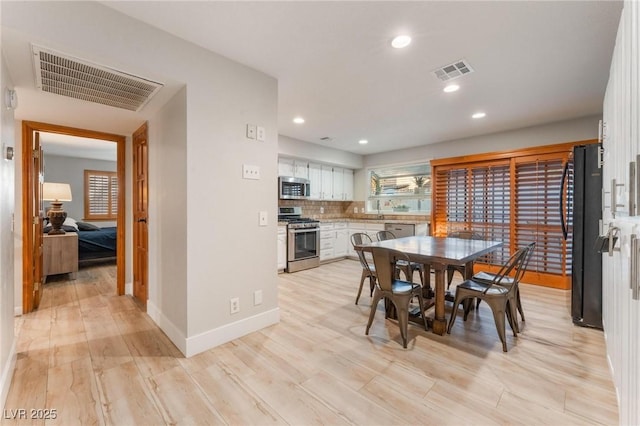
347	184
338	189
327	183
315	177
301	169
286	167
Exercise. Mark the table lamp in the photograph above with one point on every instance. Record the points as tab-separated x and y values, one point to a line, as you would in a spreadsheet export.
56	193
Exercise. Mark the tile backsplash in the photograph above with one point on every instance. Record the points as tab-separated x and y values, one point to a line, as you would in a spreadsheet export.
341	209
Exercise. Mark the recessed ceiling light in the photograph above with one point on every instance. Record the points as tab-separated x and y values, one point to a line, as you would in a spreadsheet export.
298	120
401	41
363	141
479	115
451	88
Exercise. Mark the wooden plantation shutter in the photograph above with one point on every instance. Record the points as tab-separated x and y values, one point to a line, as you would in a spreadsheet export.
101	195
540	195
513	197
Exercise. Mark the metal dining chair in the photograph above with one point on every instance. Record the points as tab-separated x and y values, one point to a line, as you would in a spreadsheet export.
501	299
368	269
396	291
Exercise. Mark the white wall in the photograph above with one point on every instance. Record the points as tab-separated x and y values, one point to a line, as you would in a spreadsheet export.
7	338
167	216
547	134
226	253
71	170
295	148
621	313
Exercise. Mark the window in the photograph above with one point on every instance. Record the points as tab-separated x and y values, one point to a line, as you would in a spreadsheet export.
402	189
100	195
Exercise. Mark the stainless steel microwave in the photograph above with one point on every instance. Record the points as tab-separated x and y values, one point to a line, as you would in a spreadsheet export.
292	188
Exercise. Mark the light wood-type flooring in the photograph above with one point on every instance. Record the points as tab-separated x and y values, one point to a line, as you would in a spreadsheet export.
95	358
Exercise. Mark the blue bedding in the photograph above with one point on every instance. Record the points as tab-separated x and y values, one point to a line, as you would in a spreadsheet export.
97	244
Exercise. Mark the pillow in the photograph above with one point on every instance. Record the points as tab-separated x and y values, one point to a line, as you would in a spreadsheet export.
84	226
70	222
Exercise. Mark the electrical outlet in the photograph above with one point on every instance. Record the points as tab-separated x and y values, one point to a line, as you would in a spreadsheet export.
263	216
355	210
321	210
260	133
250	172
257	297
361	209
234	304
251	131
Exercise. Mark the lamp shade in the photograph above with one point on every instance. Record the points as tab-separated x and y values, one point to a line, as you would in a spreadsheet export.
56	191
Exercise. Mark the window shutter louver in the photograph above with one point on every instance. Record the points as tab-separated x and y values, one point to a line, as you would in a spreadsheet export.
101	195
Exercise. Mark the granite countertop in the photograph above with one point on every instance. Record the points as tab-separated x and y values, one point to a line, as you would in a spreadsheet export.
361	220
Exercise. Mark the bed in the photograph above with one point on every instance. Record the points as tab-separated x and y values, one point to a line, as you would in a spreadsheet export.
94	243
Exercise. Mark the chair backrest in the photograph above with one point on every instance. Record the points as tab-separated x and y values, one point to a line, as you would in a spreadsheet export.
385	235
525	262
359	239
385	260
466	235
513	265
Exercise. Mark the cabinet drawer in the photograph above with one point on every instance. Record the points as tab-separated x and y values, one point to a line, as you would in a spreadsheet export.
326	244
326	254
340	225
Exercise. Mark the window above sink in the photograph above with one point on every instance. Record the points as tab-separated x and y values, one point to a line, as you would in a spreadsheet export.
400	189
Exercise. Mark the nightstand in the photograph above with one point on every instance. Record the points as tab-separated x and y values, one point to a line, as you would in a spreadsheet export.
60	254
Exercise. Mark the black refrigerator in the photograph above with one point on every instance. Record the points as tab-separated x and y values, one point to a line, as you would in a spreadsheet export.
586	288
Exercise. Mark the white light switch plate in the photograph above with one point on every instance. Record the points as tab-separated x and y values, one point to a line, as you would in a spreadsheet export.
250	172
263	218
251	131
260	133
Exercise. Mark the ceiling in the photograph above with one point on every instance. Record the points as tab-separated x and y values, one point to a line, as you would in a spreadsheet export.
533	62
78	147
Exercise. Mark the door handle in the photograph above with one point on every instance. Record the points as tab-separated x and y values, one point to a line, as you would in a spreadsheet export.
143	220
563	219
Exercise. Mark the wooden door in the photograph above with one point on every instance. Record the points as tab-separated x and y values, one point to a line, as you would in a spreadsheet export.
38	215
140	215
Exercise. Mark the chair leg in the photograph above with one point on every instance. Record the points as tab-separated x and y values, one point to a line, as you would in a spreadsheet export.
362	277
520	304
449	277
403	321
421	303
454	312
498	309
512	318
372	284
374	305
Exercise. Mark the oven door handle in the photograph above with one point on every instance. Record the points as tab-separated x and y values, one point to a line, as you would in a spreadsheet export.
303	230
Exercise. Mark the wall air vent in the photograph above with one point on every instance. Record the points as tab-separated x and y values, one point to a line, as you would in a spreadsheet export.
72	77
454	70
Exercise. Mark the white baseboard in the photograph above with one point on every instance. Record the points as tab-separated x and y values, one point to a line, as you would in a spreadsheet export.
169	328
17	311
7	374
128	289
216	337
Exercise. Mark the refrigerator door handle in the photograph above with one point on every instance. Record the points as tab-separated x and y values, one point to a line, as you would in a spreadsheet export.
563	221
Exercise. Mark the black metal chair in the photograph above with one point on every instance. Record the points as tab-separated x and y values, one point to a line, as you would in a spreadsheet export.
396	291
368	270
501	299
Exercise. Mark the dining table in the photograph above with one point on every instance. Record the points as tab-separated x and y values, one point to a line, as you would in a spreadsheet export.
437	253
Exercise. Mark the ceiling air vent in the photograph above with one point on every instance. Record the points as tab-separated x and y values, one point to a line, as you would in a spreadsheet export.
67	76
454	70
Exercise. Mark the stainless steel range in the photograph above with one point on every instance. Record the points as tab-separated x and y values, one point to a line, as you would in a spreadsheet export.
303	239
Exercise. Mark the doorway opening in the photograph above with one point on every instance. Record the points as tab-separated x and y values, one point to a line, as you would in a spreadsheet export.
33	207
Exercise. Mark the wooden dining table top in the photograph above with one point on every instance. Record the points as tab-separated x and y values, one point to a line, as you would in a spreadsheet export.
442	250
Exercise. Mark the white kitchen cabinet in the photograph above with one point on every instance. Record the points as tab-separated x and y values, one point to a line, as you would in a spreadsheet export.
326	190
355	227
315	177
337	189
282	248
341	243
301	169
327	240
286	167
347	184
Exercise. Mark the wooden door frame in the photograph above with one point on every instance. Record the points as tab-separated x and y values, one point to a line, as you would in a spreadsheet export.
28	128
